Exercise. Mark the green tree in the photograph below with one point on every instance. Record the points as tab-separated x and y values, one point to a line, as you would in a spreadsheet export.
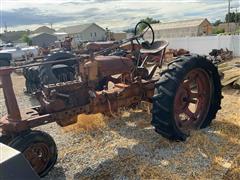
217	22
26	39
148	20
218	31
233	17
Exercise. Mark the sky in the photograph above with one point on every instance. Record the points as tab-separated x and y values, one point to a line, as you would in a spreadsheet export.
117	15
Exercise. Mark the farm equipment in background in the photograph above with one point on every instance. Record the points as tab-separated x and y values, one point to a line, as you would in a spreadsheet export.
37	76
61	71
185	96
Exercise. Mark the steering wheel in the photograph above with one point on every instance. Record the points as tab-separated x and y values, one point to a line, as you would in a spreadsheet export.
139	31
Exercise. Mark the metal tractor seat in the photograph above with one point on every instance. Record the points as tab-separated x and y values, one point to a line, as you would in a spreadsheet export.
155	48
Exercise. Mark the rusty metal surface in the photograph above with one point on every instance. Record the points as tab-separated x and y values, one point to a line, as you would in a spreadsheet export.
97	46
106	101
38	155
61	102
10	98
111	65
130	47
7	126
57	97
192	100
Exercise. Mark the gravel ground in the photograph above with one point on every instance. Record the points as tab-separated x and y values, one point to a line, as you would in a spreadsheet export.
127	147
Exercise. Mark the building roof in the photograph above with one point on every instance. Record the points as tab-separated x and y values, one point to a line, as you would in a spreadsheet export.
60	33
178	24
78	28
44	29
38	34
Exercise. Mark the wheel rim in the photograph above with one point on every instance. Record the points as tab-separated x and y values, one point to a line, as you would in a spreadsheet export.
38	155
192	100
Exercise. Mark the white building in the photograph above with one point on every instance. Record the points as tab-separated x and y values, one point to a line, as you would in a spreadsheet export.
61	36
186	28
84	32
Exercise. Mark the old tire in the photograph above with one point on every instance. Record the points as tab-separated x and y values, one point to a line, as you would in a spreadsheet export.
63	72
32	81
176	91
46	72
38	148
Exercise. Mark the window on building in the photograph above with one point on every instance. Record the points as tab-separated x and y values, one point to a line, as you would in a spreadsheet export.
95	34
91	35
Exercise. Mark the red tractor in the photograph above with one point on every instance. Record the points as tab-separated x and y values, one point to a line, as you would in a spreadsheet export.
185	96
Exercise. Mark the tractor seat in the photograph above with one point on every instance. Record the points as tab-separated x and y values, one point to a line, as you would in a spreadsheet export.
156	47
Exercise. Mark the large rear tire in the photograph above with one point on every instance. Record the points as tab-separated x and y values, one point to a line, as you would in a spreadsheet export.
32	81
187	97
38	148
50	73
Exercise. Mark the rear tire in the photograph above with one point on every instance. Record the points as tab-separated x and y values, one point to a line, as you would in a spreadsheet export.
47	72
167	92
32	82
38	148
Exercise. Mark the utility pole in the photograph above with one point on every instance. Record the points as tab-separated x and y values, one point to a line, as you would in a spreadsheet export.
5	25
236	18
229	6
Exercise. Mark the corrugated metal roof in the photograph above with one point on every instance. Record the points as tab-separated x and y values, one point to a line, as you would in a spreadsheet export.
77	29
44	29
178	24
38	34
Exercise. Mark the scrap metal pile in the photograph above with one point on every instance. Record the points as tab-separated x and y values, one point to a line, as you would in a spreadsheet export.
171	54
218	56
229	70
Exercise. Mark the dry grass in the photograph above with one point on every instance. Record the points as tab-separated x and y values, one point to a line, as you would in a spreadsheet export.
234	171
207	154
127	146
86	123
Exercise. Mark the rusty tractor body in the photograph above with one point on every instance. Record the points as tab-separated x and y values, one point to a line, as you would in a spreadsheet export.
185	96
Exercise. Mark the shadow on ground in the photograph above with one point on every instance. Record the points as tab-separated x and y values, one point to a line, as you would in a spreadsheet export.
205	154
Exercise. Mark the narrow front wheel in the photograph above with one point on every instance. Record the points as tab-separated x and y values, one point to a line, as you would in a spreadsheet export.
38	148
